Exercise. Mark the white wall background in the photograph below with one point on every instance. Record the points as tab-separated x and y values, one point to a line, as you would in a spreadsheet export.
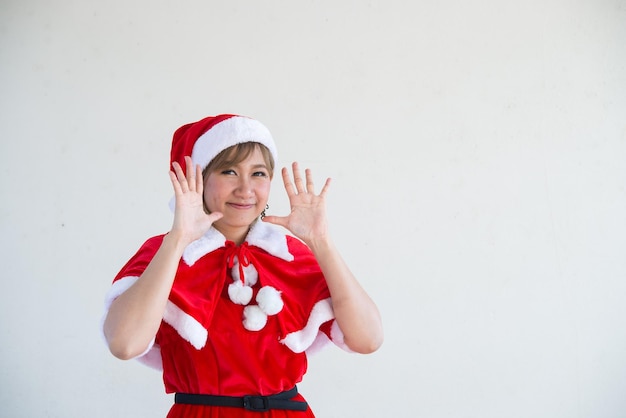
477	151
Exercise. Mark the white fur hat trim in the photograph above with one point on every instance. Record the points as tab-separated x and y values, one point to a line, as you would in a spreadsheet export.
239	294
269	300
254	319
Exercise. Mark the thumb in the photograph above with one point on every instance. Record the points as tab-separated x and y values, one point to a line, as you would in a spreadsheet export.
215	216
276	220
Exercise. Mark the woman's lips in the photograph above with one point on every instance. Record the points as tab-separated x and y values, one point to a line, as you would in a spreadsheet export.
242	205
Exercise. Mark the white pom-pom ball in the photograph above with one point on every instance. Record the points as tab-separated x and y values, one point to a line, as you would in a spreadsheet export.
239	294
251	276
269	300
254	318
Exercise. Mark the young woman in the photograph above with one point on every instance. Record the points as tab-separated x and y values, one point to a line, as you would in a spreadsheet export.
227	303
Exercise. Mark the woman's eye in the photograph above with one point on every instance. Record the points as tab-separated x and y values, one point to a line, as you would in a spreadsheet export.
229	171
260	174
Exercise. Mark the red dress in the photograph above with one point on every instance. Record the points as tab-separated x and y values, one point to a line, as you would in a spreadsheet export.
239	319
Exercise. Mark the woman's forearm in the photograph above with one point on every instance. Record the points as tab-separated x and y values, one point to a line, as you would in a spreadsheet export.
356	313
135	316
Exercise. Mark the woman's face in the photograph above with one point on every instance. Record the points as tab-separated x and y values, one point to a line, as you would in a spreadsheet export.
240	192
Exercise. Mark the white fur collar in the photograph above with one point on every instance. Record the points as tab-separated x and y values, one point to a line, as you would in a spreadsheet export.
267	236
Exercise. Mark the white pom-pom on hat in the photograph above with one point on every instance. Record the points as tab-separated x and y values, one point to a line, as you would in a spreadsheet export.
254	319
269	300
239	294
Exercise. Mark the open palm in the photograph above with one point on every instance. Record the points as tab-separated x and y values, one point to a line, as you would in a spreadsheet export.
190	219
307	219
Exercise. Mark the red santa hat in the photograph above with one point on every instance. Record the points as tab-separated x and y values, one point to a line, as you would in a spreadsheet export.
204	139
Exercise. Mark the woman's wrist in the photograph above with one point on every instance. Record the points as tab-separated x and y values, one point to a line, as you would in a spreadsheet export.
176	241
321	245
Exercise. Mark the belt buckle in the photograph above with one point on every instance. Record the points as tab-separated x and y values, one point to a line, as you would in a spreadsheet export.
256	403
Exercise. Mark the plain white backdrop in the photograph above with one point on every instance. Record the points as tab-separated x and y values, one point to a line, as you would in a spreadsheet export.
477	151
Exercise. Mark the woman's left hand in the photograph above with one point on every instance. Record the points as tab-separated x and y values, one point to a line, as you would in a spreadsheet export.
356	314
307	219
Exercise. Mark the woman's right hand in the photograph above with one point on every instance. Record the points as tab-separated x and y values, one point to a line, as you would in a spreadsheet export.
190	219
135	316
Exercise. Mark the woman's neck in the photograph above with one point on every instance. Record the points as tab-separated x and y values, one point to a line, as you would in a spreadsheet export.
236	235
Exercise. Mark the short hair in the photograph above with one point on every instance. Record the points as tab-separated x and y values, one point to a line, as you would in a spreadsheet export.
235	154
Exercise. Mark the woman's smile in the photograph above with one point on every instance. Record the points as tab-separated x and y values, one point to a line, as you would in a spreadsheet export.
241	205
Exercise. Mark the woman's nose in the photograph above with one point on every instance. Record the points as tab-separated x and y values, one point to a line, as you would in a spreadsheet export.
244	186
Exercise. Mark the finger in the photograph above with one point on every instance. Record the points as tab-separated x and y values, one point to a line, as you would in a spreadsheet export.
199	179
214	216
276	220
297	178
325	188
287	182
175	183
310	187
180	177
191	174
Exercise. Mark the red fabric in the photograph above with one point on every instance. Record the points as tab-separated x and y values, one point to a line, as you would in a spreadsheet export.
235	361
186	136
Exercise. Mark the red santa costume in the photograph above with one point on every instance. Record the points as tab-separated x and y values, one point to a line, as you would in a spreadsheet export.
239	320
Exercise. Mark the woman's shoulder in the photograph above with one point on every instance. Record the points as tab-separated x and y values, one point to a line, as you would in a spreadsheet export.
277	241
152	243
297	244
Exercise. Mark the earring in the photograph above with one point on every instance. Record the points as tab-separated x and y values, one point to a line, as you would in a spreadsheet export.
263	213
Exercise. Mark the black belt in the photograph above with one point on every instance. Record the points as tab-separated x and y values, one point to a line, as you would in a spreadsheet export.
250	402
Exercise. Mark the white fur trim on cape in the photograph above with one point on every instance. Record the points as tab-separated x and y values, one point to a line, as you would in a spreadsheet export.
267	236
299	341
152	358
209	242
321	341
186	325
271	238
152	355
336	335
117	288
